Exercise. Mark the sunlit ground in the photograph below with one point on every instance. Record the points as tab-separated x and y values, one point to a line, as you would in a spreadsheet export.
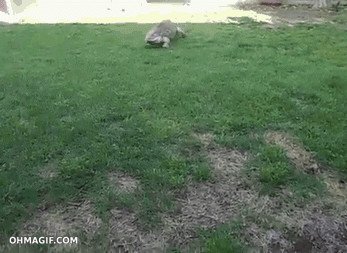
74	12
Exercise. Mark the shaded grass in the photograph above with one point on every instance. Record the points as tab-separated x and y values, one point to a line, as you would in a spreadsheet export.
95	99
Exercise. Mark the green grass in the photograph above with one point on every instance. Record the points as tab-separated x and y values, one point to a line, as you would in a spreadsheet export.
223	243
274	167
93	99
272	171
224	239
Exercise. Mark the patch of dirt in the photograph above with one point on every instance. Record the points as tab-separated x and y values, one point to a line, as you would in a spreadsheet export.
298	228
277	242
326	234
292	14
314	231
336	187
303	245
124	182
319	233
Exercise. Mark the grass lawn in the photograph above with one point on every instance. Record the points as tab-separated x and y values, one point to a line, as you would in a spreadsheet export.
82	104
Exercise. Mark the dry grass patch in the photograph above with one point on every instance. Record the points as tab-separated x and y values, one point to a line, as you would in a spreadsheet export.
271	224
124	182
294	149
204	205
126	234
212	203
302	159
313	230
276	225
69	220
49	171
337	188
215	202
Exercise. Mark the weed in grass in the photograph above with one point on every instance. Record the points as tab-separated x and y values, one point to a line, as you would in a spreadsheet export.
201	171
272	154
106	200
196	163
126	200
148	212
305	186
223	244
176	170
273	166
224	239
275	174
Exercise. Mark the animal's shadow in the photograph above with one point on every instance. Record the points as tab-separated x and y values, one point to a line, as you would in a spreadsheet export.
160	46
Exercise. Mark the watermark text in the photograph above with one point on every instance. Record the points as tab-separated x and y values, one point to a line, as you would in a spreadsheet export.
43	240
